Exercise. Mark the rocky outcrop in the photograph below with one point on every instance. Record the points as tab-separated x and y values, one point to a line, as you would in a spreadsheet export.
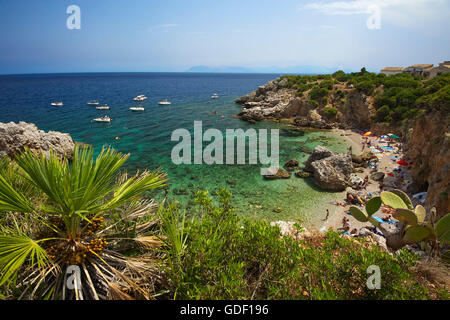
331	170
291	165
267	101
276	101
428	147
303	174
277	173
14	137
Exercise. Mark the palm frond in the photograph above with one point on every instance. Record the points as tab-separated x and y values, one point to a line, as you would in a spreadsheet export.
14	251
11	199
135	186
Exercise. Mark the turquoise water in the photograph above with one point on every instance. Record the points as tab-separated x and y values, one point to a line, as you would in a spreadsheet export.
146	136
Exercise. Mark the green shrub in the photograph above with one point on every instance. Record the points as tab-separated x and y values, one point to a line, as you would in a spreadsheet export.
383	114
330	112
328	84
365	87
317	93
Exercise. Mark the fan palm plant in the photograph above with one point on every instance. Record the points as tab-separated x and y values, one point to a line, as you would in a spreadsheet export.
40	241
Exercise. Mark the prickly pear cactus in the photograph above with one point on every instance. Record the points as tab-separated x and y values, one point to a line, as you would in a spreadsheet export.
413	227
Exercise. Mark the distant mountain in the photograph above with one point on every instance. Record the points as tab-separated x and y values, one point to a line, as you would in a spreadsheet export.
226	69
237	69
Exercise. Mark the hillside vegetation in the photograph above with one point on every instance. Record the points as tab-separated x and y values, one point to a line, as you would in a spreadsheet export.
396	98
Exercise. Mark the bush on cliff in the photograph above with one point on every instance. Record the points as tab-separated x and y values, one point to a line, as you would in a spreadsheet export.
318	93
330	112
225	257
365	86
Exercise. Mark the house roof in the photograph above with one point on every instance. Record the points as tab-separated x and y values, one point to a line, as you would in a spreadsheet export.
423	66
393	69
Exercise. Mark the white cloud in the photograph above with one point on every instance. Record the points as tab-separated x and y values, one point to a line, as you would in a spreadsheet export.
400	12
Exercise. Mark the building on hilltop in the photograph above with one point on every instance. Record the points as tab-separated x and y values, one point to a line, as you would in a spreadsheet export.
420	69
389	71
443	67
426	70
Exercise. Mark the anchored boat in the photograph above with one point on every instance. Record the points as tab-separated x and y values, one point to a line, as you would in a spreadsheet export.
105	107
57	104
137	109
164	102
140	97
102	119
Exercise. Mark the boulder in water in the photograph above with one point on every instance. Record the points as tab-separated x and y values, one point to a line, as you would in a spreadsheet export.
331	170
277	173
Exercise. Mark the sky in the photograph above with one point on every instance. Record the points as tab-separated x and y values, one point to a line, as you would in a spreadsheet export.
175	35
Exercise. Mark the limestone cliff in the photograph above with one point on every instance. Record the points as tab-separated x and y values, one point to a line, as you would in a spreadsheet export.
14	137
428	147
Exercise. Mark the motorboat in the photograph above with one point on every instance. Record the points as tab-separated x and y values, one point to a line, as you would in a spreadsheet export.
164	102
137	109
140	97
102	119
104	107
215	96
93	103
57	104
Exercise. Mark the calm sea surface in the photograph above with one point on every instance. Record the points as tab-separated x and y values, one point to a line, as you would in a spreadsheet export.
147	135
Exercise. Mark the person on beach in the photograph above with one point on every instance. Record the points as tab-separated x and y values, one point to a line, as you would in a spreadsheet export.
328	213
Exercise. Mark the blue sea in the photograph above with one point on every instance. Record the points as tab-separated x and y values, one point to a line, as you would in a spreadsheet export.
147	135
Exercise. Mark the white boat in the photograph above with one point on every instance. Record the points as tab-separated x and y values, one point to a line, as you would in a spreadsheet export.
140	97
215	96
57	104
93	103
102	119
137	109
105	107
164	102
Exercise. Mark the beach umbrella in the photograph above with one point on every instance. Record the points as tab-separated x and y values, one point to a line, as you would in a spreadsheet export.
393	136
402	163
368	133
384	137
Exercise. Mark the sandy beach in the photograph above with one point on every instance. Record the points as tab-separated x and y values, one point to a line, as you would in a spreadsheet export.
338	212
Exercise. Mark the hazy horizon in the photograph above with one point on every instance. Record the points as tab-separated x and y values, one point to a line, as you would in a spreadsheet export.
254	36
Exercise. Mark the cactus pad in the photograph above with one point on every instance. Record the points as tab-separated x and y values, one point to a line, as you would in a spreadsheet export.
404	197
406	216
392	200
417	233
443	228
373	205
358	214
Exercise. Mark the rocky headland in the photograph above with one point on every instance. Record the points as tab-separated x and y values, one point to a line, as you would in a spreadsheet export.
15	137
